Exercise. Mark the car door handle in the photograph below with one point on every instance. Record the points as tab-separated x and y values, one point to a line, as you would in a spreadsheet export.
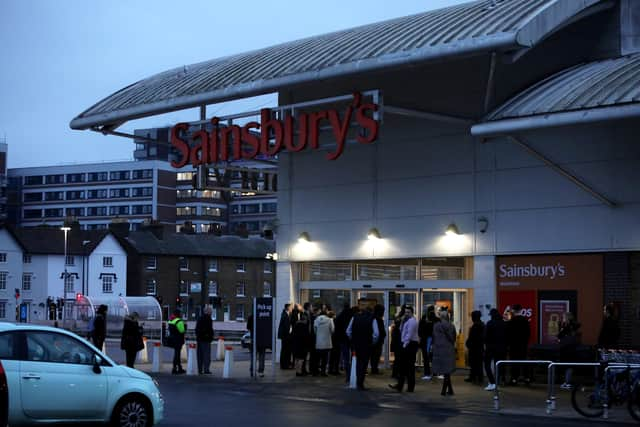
31	377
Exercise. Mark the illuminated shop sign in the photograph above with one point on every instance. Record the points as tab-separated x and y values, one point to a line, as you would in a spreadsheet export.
269	136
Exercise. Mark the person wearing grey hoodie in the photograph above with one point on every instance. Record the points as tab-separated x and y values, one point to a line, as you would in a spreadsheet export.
323	327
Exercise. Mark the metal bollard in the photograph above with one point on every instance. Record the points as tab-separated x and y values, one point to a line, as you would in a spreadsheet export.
155	367
228	362
353	377
192	360
220	348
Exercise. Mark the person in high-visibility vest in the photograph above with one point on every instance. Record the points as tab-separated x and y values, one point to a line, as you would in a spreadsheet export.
177	329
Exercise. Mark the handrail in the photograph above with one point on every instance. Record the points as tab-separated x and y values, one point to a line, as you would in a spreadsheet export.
496	397
551	398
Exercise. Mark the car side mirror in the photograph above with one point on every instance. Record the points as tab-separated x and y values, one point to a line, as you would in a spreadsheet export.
97	361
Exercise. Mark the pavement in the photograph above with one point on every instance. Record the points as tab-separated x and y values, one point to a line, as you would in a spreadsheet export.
470	399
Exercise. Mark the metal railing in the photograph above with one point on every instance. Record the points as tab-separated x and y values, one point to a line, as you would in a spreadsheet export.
496	396
551	379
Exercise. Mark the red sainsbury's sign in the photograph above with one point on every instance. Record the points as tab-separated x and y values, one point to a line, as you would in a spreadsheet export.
232	142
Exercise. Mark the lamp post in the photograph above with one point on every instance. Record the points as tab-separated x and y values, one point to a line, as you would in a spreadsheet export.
65	229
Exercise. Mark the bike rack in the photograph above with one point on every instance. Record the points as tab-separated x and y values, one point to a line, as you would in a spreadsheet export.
613	366
551	379
496	397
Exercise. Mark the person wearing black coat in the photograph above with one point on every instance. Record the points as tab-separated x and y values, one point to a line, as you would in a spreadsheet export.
425	332
99	332
284	335
610	330
396	344
475	345
518	332
131	341
341	339
301	335
495	345
204	338
376	351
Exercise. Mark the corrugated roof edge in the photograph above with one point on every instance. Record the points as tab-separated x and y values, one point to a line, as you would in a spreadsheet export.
534	28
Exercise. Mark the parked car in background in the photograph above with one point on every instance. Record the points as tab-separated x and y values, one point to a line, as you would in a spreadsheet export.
245	341
55	376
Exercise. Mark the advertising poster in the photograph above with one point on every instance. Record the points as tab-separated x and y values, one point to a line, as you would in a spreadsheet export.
550	317
528	301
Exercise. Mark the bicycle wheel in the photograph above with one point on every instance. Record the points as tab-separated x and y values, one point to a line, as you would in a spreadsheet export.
588	400
634	404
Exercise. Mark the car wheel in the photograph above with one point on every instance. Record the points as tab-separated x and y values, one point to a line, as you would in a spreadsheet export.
131	412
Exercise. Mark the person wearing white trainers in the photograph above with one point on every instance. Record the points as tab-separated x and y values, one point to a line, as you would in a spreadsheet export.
427	378
566	386
495	345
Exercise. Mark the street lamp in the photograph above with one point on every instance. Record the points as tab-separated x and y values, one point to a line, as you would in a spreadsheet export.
64	275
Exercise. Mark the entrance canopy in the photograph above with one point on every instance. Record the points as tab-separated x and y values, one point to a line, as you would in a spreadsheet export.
148	309
475	28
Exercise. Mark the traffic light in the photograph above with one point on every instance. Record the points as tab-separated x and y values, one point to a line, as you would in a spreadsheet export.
17	290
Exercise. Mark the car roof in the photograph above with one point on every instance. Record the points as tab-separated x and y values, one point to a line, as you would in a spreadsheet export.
8	326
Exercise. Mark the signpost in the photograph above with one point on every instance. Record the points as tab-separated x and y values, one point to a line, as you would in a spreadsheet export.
262	335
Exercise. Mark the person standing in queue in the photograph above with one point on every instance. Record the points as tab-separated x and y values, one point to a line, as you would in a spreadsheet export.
495	345
444	350
363	333
475	345
518	332
425	332
284	335
410	342
131	341
396	344
99	332
204	338
376	353
323	329
300	323
177	330
340	336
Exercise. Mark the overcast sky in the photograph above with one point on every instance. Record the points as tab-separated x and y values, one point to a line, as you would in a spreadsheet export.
57	58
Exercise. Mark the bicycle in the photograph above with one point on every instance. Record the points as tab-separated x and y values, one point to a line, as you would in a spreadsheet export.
623	385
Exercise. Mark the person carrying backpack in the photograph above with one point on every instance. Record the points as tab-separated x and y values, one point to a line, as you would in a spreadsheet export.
177	329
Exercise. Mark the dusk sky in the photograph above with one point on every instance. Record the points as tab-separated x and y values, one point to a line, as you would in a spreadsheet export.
61	57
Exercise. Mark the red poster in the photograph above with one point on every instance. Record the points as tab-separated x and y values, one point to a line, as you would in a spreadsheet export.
550	317
527	299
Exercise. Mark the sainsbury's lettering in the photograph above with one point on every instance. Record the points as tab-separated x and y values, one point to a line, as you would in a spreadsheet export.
274	135
531	270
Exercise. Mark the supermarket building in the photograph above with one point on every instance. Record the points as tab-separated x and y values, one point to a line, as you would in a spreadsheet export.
504	169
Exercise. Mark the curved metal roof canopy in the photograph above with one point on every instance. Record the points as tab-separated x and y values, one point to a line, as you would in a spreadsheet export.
470	28
600	90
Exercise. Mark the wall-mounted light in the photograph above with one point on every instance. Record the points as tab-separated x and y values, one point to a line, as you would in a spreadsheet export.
304	237
483	224
373	234
452	230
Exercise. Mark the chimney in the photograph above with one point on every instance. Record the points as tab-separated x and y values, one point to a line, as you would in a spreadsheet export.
241	230
188	228
154	227
119	226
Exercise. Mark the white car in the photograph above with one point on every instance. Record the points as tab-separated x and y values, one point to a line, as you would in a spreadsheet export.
54	376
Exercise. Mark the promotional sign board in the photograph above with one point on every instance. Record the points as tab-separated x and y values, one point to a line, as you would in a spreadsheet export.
551	313
264	322
527	299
